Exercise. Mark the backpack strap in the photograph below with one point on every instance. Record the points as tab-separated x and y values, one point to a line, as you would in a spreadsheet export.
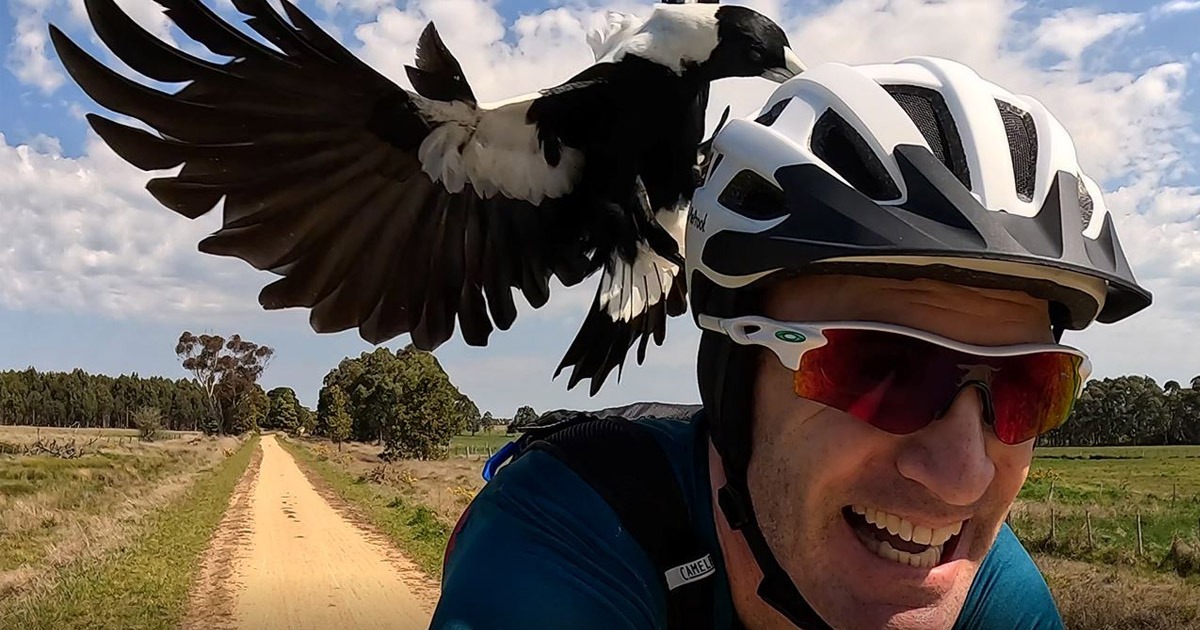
626	466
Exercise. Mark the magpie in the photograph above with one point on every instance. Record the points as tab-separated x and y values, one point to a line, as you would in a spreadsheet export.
398	211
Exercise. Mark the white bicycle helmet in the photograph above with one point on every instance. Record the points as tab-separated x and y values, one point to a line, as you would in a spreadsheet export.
916	168
919	168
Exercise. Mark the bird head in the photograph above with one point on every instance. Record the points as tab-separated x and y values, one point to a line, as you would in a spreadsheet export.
704	40
749	44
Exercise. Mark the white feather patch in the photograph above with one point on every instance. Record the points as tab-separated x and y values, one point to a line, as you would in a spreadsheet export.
492	148
673	35
618	27
630	289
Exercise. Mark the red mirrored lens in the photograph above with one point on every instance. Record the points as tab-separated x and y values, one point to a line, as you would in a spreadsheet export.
1035	395
900	384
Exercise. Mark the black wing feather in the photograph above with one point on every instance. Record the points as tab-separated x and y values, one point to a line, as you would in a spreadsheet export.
438	74
472	312
314	155
202	25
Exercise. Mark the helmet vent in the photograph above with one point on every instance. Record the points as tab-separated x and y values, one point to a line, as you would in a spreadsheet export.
1086	205
751	195
928	111
1022	146
838	144
769	117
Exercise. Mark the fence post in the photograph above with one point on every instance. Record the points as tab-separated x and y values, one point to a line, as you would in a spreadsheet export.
1050	495
1088	517
1141	550
1053	523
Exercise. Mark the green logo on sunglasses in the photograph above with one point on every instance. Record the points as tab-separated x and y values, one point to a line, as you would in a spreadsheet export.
789	336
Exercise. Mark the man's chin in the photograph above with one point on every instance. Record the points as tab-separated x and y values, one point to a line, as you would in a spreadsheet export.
864	590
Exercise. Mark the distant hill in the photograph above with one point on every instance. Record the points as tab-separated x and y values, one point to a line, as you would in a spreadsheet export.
635	411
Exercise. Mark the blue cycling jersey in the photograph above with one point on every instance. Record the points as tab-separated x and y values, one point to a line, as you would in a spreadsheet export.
539	548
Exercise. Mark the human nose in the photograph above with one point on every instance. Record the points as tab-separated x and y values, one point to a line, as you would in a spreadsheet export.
949	456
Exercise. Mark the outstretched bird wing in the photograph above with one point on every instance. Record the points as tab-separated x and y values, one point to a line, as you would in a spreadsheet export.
383	210
634	300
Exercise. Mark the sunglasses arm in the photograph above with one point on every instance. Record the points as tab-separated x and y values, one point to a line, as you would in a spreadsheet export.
787	341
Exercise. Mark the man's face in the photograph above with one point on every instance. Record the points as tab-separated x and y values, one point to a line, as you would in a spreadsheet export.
812	466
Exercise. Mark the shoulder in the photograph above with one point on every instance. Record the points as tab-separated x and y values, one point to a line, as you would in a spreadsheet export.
538	547
1009	591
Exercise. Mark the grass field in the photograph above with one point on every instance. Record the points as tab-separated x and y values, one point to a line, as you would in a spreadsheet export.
1114	489
144	584
27	434
1092	596
480	444
56	511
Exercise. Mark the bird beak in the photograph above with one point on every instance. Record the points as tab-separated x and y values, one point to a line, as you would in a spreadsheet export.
793	67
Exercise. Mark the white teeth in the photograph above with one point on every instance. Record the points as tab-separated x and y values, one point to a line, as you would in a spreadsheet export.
925	560
906	529
942	534
888	552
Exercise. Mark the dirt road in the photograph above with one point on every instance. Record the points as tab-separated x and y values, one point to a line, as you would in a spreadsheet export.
285	558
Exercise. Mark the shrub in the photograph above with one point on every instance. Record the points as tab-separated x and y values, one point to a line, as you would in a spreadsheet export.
149	422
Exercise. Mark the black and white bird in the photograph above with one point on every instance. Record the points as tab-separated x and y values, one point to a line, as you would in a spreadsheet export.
398	211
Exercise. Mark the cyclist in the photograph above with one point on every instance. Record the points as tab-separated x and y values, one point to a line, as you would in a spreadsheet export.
883	261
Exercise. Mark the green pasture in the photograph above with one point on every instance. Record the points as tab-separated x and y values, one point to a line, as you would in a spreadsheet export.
1114	489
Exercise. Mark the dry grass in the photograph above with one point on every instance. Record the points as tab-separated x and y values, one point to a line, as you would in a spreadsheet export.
145	583
444	486
1097	597
56	513
23	434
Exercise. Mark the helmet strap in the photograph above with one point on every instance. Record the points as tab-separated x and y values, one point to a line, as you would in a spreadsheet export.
776	587
727	373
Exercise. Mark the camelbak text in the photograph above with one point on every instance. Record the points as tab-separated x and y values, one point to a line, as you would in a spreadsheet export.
690	572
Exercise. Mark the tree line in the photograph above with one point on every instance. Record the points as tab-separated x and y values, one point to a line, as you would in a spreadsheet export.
402	400
76	398
405	402
1131	411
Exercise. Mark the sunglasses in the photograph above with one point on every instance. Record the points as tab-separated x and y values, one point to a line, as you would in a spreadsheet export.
900	379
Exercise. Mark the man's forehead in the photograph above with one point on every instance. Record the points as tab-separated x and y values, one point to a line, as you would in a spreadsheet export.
952	310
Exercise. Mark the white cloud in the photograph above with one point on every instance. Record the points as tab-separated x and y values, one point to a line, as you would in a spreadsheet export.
1178	6
1071	31
27	58
363	7
48	145
82	234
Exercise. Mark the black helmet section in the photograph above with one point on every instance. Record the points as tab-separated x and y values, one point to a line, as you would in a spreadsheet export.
826	219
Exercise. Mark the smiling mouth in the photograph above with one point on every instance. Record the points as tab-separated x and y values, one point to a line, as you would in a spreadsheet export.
895	538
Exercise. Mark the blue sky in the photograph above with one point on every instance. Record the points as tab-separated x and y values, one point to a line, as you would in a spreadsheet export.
94	274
